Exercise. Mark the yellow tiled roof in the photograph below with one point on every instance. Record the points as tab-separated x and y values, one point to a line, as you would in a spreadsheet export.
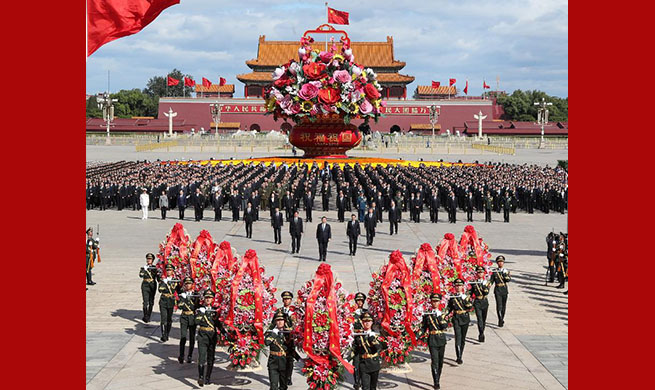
227	88
442	90
381	77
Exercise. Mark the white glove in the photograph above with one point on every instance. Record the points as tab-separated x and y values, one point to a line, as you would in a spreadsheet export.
438	312
97	239
504	270
202	310
276	331
358	311
183	295
462	295
370	333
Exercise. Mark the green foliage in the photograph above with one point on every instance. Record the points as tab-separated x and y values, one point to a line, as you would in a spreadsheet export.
157	85
519	106
564	164
134	102
92	110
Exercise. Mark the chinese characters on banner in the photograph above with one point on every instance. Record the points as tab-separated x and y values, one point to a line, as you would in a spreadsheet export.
258	108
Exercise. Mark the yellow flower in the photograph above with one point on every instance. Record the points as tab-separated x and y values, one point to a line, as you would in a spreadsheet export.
377	103
270	104
338	57
353	107
338	104
306	105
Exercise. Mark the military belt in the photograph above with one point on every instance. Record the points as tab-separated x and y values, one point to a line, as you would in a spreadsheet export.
369	356
482	297
187	312
460	311
436	332
281	353
167	295
500	284
148	280
206	328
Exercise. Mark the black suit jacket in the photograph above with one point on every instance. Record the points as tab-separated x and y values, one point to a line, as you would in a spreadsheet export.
323	235
249	216
278	220
394	214
295	228
370	221
353	229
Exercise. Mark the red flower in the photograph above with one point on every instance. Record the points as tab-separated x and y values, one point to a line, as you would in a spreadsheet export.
283	81
247	299
314	71
321	319
395	299
328	95
371	92
427	288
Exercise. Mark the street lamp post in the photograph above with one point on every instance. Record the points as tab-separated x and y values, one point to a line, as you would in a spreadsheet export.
434	117
215	110
542	117
106	104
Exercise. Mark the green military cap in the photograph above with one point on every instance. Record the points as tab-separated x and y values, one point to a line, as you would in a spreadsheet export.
366	317
287	294
150	256
459	282
435	297
360	296
472	254
209	294
89	230
500	258
479	268
170	266
278	316
188	280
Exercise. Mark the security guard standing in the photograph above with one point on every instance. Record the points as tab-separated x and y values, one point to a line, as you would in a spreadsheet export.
479	292
167	288
367	346
433	326
500	278
188	301
459	307
358	326
276	340
207	323
92	247
148	286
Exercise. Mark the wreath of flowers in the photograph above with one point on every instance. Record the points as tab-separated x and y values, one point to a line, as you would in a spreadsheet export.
324	82
325	376
474	252
174	250
423	285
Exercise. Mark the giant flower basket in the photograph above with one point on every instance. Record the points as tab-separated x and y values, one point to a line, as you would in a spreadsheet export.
426	279
203	255
322	92
454	264
324	329
250	308
391	302
222	271
174	250
475	250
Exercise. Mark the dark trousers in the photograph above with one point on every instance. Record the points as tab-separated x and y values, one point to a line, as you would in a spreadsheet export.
352	244
277	233
356	374
249	229
434	215
460	339
551	272
218	214
370	234
340	215
326	204
369	379
295	243
308	214
436	362
206	348
181	212
278	378
322	250
487	215
148	295
88	270
163	212
506	215
235	214
469	215
166	321
187	327
393	227
481	310
198	213
501	302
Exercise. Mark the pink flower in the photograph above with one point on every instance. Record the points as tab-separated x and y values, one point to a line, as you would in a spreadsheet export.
342	76
308	91
365	107
325	56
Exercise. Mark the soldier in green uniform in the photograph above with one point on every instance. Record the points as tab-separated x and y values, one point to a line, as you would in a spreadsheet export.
207	323
367	346
459	307
276	340
488	205
148	286
167	288
500	278
479	292
92	245
289	312
187	302
433	326
358	327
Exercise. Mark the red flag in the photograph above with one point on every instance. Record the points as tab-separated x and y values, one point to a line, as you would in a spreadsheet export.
436	84
172	81
206	83
221	81
452	82
189	82
111	19
466	89
337	17
484	85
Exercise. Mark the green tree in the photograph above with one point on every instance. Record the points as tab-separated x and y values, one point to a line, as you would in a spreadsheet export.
519	106
92	110
158	85
133	102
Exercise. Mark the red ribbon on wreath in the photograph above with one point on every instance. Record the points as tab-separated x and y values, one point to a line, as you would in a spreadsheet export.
448	246
426	256
177	236
250	264
203	239
471	236
323	279
227	248
397	265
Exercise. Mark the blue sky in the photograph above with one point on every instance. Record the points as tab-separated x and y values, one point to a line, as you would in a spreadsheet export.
524	42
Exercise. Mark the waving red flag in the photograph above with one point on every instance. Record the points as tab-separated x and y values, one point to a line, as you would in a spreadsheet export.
436	84
111	19
172	81
466	89
189	82
484	85
221	82
337	17
452	82
206	83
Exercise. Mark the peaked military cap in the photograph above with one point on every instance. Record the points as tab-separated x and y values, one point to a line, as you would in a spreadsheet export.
170	266
209	293
150	256
188	280
360	296
366	317
89	230
459	282
479	268
287	294
500	258
278	316
435	297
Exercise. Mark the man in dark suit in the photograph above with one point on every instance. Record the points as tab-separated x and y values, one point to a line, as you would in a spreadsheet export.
342	202
434	206
506	207
295	229
353	231
249	217
323	236
488	204
326	193
218	205
277	221
370	221
181	204
309	204
452	208
198	204
469	207
417	204
235	205
394	218
273	202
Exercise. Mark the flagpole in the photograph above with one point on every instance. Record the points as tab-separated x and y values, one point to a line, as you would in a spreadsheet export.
328	16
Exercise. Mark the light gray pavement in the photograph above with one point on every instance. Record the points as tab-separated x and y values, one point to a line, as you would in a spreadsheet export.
528	353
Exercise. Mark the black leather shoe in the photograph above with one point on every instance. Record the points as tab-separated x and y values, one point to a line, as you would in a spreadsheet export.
201	372
289	383
188	359
180	359
460	361
481	338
